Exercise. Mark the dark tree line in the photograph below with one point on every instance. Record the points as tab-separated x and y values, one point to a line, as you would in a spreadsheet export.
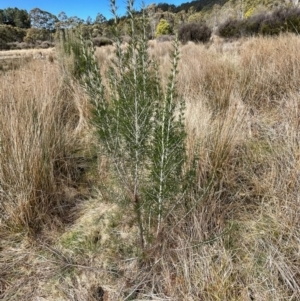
15	17
196	5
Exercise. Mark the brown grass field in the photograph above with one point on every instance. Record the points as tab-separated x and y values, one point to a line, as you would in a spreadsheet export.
60	239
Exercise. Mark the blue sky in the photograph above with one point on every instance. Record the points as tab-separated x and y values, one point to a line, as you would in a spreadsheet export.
79	8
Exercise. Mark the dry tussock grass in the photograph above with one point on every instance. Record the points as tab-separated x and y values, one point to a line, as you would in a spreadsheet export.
14	59
44	155
40	143
25	53
238	236
274	70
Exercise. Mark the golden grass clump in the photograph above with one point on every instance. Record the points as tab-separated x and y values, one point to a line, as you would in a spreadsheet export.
40	144
269	69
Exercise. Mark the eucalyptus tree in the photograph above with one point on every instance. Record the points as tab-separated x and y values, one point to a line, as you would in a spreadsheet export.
42	19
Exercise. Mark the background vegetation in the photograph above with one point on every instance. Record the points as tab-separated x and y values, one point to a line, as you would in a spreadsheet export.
281	20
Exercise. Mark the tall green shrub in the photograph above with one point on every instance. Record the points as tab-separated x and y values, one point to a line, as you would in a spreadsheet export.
140	127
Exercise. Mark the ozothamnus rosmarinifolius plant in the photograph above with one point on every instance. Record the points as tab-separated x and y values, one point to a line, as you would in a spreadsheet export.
139	124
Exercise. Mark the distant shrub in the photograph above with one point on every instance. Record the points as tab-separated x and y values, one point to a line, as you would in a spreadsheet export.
163	28
230	29
195	32
10	34
249	13
101	41
281	20
252	26
35	35
86	31
45	44
96	30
